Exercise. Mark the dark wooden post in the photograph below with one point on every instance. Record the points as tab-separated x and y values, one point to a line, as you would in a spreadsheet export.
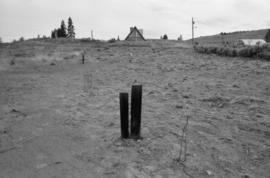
136	109
82	58
124	115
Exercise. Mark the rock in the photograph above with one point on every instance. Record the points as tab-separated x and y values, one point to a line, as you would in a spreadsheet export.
40	166
235	86
186	96
209	173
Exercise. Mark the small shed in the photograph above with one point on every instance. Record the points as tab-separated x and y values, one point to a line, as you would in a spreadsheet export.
135	34
251	42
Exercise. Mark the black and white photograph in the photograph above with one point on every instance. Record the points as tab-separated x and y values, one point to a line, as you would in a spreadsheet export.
134	89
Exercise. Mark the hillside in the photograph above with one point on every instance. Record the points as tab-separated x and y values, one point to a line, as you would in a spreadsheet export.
59	118
233	36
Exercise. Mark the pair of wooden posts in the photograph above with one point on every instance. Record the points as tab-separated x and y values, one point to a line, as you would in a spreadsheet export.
136	109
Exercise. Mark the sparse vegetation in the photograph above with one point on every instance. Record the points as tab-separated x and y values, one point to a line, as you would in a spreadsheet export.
180	38
225	37
12	62
267	36
43	95
248	51
21	39
112	40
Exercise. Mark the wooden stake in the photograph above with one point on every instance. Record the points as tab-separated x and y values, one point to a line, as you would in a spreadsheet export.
124	115
82	58
136	109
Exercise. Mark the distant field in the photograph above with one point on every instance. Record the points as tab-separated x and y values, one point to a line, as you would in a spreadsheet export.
217	39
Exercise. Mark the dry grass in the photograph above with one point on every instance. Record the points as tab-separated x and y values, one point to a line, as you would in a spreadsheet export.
65	132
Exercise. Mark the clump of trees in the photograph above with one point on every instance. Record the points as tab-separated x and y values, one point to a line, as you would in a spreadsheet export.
112	40
230	33
164	37
21	39
180	38
63	31
267	36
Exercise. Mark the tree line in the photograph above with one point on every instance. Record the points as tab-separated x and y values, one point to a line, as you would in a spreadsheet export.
63	31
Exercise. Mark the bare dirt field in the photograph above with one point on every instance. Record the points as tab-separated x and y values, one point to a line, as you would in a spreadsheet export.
53	123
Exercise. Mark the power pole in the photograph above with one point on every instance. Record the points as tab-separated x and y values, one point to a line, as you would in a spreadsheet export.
92	35
193	23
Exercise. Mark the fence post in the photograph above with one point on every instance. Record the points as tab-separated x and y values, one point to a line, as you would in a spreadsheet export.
136	109
83	58
124	115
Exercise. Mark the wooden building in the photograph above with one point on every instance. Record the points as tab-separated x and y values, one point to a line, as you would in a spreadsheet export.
135	34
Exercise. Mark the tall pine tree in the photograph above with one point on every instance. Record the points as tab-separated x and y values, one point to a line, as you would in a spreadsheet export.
71	30
63	29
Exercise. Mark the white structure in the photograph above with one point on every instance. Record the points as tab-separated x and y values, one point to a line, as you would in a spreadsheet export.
251	42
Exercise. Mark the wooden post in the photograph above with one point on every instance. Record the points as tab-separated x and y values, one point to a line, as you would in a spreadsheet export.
136	109
82	58
124	115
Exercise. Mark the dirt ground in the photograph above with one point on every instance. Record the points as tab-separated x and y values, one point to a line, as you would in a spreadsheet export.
59	118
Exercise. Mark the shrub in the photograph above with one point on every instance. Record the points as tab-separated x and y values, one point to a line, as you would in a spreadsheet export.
267	36
211	50
220	51
199	49
21	39
112	40
250	51
12	62
244	52
165	37
234	52
264	55
226	51
86	40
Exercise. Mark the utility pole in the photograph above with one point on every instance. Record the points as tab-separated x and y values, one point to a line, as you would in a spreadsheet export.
92	35
193	23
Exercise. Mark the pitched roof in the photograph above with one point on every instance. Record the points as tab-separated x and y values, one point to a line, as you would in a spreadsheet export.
135	29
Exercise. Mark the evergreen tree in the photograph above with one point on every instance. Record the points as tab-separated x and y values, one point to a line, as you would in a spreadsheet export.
165	37
180	38
52	34
71	30
59	33
267	36
63	29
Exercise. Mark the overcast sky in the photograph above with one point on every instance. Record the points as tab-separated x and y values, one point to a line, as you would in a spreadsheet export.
110	18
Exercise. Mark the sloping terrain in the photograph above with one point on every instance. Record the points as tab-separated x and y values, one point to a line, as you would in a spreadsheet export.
232	37
59	118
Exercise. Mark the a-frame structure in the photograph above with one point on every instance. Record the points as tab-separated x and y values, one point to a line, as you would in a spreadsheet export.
135	34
